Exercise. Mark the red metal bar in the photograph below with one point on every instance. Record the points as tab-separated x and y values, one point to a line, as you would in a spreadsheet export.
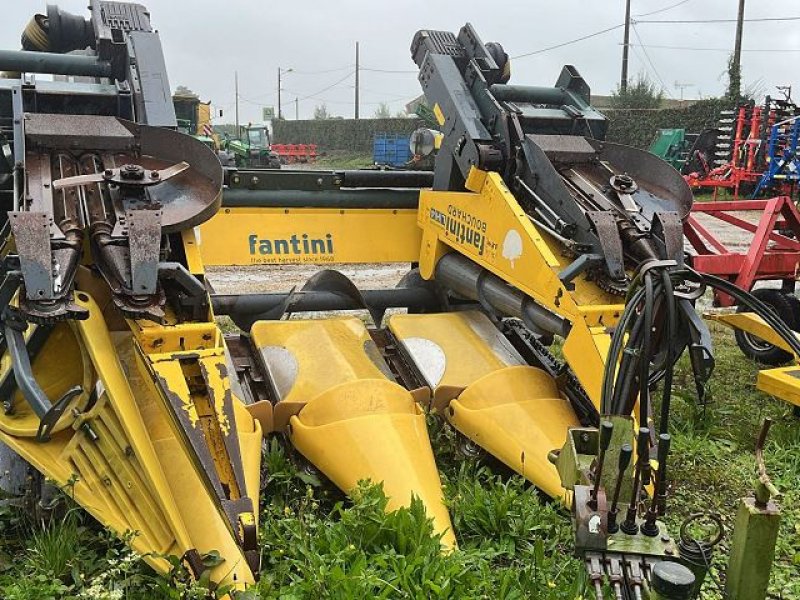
761	262
710	238
777	265
737	140
781	241
729	205
753	138
694	237
756	251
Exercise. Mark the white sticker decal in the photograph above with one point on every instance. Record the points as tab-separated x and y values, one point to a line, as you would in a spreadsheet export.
594	524
512	246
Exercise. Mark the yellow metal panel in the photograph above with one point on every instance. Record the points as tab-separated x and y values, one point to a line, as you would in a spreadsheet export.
121	458
372	429
512	410
164	339
469	343
277	236
346	415
491	229
207	525
475	179
783	383
60	365
517	415
323	353
585	350
119	480
753	324
192	250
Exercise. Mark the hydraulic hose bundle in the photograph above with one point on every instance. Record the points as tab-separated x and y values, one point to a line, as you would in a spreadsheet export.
659	322
657	325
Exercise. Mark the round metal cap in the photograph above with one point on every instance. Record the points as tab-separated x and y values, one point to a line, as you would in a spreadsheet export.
673	581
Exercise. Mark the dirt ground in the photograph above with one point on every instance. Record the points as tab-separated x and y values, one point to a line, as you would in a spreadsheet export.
282	278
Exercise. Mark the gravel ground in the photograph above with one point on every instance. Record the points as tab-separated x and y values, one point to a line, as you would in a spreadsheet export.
282	278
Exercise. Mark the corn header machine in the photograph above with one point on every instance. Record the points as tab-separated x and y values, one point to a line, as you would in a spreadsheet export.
118	382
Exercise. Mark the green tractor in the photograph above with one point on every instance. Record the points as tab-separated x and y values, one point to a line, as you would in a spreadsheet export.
252	148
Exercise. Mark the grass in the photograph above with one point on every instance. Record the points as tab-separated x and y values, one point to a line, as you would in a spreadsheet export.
317	544
340	159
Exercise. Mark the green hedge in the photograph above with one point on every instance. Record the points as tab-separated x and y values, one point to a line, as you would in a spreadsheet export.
340	134
636	127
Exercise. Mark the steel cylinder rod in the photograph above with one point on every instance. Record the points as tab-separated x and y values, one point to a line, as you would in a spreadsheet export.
25	61
470	280
534	95
357	198
367	178
416	299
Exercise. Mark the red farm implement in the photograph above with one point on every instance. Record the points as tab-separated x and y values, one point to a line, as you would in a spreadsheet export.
770	246
755	152
290	154
766	248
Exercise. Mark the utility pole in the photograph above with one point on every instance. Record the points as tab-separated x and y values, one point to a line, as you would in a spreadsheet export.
736	66
280	72
236	86
297	109
279	94
357	74
683	86
623	81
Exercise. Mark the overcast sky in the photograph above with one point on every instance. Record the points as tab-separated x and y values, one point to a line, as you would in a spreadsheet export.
206	41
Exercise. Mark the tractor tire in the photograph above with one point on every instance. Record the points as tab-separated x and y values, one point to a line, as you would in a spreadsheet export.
794	302
757	349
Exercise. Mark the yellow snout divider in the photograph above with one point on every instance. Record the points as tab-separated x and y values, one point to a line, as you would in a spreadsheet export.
342	412
485	389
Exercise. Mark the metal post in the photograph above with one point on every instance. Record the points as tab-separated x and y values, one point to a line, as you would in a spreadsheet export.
357	76
623	82
236	85
297	109
755	533
736	67
280	115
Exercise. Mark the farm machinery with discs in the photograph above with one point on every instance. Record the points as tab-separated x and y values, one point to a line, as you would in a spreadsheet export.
118	381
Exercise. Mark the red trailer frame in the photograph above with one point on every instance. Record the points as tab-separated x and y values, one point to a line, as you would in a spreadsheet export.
772	255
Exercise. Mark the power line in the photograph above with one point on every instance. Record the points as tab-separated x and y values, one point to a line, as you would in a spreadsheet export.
661	10
561	45
653	21
685	21
255	103
387	70
718	49
647	56
325	89
322	72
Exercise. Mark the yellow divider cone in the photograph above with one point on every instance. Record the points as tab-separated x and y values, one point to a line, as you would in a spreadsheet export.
372	429
517	416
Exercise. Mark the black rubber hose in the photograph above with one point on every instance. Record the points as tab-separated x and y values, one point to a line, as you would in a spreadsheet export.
644	353
637	320
627	367
615	347
666	398
762	309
